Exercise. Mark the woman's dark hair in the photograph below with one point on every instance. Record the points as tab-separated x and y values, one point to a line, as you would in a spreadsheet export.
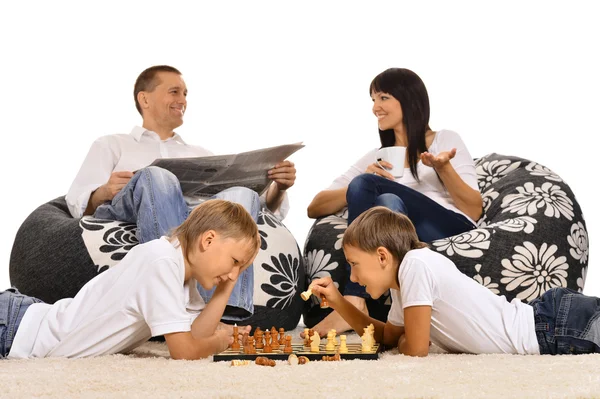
408	88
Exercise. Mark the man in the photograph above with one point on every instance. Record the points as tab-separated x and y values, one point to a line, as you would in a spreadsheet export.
116	183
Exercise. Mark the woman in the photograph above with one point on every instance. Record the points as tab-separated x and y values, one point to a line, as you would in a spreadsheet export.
438	190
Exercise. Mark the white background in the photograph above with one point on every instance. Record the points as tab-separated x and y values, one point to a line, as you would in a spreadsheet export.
516	78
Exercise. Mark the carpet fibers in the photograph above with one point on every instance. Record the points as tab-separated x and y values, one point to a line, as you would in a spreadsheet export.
148	373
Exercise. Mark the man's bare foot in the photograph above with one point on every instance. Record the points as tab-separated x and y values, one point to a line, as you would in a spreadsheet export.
335	321
229	328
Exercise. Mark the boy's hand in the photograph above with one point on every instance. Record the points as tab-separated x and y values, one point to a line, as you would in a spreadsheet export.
222	339
325	286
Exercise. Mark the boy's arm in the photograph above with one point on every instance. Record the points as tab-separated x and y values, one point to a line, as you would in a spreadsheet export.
183	345
206	323
417	325
392	334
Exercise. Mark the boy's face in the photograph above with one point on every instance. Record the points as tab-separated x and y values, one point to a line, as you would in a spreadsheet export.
216	259
370	269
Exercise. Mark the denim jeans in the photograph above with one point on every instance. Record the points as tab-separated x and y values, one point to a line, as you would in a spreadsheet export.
431	220
153	200
567	322
13	305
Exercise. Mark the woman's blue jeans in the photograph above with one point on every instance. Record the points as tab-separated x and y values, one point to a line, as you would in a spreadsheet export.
431	220
154	202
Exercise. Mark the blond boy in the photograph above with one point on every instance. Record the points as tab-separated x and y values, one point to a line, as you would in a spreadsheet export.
151	292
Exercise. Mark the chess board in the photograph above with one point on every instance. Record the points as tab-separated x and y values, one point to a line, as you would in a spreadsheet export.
354	352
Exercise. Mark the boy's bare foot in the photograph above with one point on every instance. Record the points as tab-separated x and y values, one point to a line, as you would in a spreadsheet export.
335	321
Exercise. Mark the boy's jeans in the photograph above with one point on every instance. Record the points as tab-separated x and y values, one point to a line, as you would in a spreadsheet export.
13	305
431	220
153	200
567	322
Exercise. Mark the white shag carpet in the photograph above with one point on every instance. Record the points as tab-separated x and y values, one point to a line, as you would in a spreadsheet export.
148	373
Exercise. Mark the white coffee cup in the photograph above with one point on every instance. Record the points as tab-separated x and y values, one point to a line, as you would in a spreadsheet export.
394	155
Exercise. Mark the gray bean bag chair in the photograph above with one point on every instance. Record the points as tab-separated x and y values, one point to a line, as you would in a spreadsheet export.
531	237
54	255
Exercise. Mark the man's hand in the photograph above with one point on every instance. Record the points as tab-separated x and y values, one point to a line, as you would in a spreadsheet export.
283	174
107	191
325	286
117	181
437	161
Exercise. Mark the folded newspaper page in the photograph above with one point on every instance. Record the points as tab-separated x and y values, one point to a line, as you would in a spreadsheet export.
206	176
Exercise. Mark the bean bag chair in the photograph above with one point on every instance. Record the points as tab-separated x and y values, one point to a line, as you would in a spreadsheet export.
531	237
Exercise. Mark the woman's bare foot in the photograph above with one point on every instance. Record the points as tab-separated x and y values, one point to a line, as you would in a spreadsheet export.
335	321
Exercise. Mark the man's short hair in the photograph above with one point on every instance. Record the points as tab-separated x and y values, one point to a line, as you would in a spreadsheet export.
147	81
382	227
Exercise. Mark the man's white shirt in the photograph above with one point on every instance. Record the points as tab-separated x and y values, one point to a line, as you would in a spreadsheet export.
131	152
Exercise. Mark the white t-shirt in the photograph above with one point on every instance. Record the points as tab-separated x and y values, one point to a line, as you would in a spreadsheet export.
466	317
118	310
429	184
131	152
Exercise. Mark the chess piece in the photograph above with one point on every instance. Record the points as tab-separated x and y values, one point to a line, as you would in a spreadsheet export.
258	339
288	344
264	361
267	348
367	343
293	360
306	294
343	347
273	333
303	360
236	339
324	303
249	347
330	341
333	358
306	337
315	341
238	362
281	336
245	339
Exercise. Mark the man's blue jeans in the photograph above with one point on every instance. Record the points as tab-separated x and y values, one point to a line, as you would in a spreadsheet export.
153	200
431	220
567	322
13	305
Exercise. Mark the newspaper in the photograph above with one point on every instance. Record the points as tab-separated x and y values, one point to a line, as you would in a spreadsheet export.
206	176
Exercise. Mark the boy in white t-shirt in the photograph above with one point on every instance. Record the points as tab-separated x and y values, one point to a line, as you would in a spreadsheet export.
151	292
433	301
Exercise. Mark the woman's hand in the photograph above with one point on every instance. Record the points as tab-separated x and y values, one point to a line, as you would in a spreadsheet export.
437	161
378	170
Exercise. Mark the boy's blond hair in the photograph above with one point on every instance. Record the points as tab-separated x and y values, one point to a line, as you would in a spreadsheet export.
228	219
382	227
